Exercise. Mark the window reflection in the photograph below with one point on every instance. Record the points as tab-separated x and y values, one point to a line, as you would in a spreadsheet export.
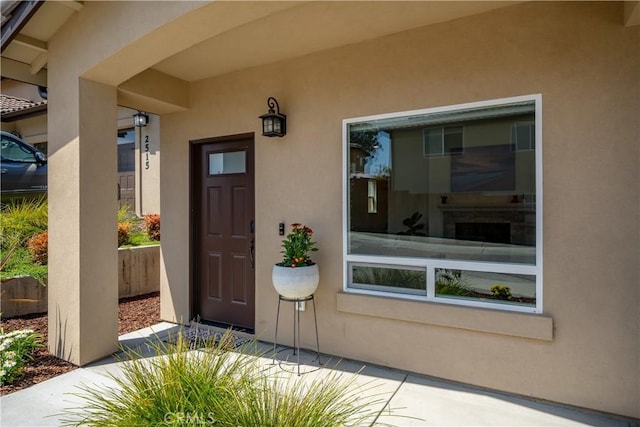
227	163
455	185
497	288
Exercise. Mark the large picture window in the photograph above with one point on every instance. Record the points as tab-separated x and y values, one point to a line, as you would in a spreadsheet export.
457	215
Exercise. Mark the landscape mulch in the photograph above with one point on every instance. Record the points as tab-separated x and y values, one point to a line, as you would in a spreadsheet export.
133	313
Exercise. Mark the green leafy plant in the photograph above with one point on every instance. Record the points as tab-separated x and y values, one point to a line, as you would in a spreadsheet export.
6	255
152	225
125	214
182	386
21	264
297	246
19	221
16	350
139	238
501	292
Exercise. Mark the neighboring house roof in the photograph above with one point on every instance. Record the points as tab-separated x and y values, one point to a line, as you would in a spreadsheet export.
14	108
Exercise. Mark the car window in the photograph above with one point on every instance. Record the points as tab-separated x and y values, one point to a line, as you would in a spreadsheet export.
15	152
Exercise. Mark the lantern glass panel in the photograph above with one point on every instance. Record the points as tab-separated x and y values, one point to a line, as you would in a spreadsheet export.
139	120
267	125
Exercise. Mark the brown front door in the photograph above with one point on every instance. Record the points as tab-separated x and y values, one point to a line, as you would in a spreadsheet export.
223	223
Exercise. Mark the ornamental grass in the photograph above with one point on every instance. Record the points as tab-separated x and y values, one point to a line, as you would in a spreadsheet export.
213	386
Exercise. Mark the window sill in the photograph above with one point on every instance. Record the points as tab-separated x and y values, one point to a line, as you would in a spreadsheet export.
522	325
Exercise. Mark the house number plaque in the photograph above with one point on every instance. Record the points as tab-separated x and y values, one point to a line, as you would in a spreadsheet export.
146	151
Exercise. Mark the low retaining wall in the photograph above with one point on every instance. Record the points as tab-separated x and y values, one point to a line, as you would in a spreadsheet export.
22	295
138	271
138	274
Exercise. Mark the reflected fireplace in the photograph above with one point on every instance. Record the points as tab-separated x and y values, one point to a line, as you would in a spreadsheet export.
508	225
494	232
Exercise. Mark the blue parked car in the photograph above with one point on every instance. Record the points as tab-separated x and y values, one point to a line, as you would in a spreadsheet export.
24	169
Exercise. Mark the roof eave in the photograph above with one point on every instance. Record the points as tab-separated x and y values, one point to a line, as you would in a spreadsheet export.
18	19
24	113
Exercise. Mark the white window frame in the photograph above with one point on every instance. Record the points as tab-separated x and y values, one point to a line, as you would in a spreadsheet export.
514	137
432	264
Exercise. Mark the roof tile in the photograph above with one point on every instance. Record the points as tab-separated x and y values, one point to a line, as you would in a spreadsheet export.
11	104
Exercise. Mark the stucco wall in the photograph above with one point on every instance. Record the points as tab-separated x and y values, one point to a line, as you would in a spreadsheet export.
585	64
88	57
148	167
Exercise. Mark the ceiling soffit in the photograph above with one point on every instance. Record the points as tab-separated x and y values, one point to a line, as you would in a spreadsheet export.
631	13
15	16
25	54
308	28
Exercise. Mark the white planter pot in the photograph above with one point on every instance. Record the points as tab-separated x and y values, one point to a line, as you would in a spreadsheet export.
298	282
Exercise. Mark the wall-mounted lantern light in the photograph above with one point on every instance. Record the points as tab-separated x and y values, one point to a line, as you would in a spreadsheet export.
140	119
274	123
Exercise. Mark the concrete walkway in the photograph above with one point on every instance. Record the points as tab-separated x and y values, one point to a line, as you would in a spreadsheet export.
415	400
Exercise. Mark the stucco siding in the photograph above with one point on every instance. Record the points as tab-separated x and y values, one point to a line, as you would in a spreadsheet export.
583	62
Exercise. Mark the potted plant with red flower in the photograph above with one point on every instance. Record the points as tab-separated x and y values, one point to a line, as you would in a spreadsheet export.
296	276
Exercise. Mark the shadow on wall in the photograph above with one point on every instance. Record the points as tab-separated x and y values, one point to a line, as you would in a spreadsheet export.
59	350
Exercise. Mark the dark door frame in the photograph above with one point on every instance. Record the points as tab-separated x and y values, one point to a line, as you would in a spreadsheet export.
193	171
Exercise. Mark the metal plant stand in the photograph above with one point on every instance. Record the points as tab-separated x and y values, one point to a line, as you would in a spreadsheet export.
296	327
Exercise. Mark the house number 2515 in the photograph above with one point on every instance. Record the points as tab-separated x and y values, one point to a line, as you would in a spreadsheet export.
146	151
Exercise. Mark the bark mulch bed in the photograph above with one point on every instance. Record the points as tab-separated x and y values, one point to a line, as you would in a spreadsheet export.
133	313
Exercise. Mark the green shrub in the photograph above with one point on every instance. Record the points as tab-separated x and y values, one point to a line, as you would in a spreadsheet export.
21	264
16	349
19	221
139	239
501	292
125	214
214	386
22	219
24	238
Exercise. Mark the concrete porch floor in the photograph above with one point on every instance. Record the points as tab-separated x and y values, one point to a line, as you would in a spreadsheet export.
415	400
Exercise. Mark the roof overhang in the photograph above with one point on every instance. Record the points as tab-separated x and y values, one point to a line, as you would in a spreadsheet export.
221	37
25	113
15	15
27	26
